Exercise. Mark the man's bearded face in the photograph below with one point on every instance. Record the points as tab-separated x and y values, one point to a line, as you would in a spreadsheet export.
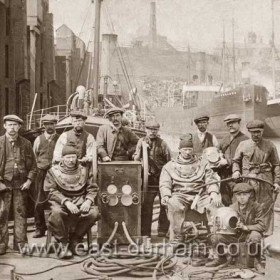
116	119
70	161
186	153
12	127
233	127
152	132
78	123
202	126
256	135
49	127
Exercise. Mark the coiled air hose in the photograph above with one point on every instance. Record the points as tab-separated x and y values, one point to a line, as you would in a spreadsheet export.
140	265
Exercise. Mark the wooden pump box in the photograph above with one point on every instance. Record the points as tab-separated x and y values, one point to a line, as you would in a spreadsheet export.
119	200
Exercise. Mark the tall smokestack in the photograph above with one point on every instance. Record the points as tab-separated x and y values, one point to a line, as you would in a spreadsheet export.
153	26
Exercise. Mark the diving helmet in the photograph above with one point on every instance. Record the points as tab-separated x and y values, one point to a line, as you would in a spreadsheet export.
225	221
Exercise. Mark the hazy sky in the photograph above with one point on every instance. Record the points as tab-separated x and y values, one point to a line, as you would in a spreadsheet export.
198	22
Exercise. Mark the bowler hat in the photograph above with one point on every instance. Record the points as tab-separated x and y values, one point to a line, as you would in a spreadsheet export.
13	118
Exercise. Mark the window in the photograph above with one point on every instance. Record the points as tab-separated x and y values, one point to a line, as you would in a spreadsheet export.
7	101
7	60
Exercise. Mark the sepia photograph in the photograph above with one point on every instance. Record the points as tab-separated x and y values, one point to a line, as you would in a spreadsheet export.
139	139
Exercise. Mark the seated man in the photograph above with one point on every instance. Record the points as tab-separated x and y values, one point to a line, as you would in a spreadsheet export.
179	182
72	197
250	226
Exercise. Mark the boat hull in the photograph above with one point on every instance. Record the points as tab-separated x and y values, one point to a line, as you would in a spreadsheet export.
249	102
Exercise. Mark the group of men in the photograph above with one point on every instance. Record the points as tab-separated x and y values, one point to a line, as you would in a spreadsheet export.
59	167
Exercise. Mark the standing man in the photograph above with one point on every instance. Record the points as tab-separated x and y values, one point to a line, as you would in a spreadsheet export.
178	185
158	154
43	149
257	157
17	172
228	147
202	139
115	141
78	137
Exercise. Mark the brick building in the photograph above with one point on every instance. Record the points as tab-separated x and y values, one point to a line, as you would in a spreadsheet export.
26	56
13	56
72	62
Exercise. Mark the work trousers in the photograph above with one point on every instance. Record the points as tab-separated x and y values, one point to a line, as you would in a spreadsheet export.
147	213
178	205
18	199
253	239
40	196
67	227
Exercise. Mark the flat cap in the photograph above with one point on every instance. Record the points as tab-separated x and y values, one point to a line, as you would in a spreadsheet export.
49	118
232	118
255	125
201	117
186	141
152	124
113	111
78	114
13	118
242	188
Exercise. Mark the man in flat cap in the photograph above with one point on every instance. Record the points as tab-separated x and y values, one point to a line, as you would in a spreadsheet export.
158	155
202	139
179	184
228	146
257	157
43	148
250	228
72	196
17	172
115	141
78	137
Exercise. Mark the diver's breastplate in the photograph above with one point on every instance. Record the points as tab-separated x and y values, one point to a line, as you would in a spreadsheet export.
187	170
71	180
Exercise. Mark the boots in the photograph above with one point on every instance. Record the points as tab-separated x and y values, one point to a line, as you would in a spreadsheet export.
64	252
216	262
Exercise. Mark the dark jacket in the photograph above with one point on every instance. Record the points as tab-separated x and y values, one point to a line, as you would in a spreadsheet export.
228	146
26	155
254	218
198	147
159	154
107	137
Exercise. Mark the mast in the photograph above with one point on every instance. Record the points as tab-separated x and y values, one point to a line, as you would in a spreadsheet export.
273	50
189	64
223	58
96	54
233	54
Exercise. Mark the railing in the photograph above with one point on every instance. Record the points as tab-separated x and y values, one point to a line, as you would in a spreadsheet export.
35	121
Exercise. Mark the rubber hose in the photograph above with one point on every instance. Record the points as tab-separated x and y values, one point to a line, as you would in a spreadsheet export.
127	235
